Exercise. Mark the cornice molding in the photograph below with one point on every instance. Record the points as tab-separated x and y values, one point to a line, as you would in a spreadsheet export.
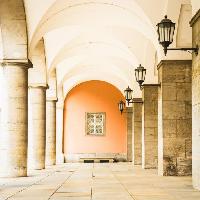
137	100
26	63
163	62
151	84
50	99
43	86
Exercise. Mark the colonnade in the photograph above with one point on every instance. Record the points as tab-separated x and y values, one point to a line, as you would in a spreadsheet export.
28	123
162	121
163	126
169	118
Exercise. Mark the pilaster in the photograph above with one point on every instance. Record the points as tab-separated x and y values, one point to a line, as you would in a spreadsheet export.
175	118
150	126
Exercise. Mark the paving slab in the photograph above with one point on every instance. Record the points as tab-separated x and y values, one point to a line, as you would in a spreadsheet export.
97	181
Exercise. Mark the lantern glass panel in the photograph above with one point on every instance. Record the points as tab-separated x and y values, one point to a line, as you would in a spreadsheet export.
172	33
136	75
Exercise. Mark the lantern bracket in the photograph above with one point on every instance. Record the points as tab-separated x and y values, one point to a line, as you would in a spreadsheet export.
194	49
141	87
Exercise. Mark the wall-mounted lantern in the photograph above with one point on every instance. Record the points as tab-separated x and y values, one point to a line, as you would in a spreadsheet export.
140	73
121	106
128	94
166	29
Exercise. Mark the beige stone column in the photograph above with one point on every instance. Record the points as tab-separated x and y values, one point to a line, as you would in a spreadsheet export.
14	124
175	118
195	23
137	132
51	132
129	115
59	132
150	126
37	127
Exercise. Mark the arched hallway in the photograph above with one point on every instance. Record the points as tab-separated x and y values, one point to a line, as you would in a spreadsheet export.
99	81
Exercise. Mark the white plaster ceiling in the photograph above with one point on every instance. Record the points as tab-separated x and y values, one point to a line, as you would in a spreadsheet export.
103	39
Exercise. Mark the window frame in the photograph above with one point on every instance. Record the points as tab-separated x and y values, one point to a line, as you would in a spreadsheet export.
104	123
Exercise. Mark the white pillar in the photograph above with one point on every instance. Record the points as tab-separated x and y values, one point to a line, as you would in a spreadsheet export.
14	124
59	133
37	127
195	24
51	131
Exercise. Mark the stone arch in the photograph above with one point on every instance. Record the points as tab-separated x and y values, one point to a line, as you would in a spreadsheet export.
13	30
71	82
38	74
94	96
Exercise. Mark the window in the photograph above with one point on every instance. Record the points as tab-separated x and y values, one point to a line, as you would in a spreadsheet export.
95	123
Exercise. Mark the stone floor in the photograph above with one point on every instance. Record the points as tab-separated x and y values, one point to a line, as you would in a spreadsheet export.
76	181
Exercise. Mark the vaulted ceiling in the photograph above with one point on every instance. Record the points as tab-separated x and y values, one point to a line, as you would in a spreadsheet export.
104	39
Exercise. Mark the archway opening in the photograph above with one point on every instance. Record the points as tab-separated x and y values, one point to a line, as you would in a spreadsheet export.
93	126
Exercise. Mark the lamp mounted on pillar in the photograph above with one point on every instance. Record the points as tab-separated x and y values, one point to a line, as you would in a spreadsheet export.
121	106
128	95
140	73
166	29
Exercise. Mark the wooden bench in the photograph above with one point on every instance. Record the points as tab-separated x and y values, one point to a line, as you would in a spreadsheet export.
96	160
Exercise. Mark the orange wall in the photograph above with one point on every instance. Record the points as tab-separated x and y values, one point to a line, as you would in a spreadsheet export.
94	96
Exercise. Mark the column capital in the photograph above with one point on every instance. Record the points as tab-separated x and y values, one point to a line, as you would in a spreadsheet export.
137	100
154	85
49	99
26	63
172	62
195	18
42	86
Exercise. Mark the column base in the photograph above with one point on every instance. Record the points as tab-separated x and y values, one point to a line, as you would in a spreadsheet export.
176	167
60	159
13	173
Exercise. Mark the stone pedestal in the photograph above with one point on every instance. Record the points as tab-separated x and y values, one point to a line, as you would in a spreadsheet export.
195	23
51	132
175	118
37	127
14	124
129	115
150	126
137	132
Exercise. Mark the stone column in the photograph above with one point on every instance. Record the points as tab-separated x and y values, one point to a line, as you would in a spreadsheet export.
129	115
14	124
51	132
59	133
195	23
150	126
37	127
175	118
137	132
